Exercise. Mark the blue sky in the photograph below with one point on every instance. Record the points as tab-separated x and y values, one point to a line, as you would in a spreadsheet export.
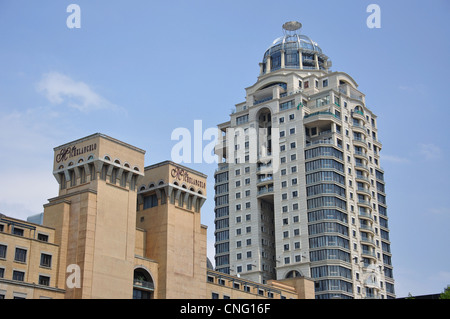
136	70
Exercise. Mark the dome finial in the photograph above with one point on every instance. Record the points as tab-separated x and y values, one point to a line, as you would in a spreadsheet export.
291	27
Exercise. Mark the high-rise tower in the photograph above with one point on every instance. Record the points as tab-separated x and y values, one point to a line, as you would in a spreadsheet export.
300	190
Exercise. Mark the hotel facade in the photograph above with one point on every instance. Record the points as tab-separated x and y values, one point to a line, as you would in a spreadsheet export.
120	230
300	191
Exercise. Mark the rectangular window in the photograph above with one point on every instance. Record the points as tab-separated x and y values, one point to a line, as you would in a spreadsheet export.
42	237
3	251
18	275
20	255
323	101
17	231
44	280
46	260
150	201
287	105
242	119
337	101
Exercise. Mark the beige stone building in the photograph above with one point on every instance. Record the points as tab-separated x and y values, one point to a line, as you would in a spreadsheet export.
120	230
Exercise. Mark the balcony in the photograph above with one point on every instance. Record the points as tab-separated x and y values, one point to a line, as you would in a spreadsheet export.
364	215
265	168
328	142
367	228
357	141
264	180
220	148
362	178
377	142
359	128
262	100
365	253
351	92
320	118
367	241
364	203
360	154
143	284
265	192
362	166
222	167
364	191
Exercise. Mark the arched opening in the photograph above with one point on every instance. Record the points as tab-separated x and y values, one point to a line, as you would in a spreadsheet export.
359	109
82	173
293	274
264	118
143	285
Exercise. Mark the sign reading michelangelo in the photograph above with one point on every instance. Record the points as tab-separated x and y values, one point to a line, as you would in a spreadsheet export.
69	152
183	176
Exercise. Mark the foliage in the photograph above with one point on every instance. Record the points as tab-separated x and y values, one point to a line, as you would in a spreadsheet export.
446	293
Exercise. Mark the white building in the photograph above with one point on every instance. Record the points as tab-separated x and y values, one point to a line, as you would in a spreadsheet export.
300	191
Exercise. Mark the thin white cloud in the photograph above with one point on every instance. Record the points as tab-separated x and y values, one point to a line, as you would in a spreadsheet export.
394	158
440	211
59	88
430	151
417	88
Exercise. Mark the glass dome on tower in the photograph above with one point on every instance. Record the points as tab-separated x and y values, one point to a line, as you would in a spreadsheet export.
294	51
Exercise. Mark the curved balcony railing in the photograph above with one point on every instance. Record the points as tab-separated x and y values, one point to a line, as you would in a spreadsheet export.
265	190
148	285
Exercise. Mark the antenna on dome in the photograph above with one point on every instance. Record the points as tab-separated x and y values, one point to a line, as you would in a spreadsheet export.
290	28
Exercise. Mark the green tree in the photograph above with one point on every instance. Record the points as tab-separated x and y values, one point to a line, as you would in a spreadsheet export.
446	293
